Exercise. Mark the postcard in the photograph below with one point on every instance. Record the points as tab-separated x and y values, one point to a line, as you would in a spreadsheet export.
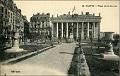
59	38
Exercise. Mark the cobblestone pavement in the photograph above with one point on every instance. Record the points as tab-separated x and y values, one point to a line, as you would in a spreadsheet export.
55	61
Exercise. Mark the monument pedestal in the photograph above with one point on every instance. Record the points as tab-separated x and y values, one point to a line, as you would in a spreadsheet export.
109	55
15	47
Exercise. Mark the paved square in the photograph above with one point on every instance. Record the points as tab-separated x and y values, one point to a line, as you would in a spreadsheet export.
55	61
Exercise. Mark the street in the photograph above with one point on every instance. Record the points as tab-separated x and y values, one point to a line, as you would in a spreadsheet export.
55	61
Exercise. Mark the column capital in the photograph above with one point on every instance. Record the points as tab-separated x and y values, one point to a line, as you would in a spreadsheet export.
82	32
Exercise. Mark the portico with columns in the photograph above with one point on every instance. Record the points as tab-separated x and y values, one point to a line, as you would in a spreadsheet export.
79	26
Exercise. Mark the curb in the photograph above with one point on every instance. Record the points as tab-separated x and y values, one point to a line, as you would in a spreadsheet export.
14	60
79	66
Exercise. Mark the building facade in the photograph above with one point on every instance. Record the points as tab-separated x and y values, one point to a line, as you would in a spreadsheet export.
10	21
6	20
40	25
84	26
26	33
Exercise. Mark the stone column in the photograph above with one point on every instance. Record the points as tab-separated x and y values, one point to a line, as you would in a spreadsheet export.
52	28
82	32
88	30
98	31
72	29
77	31
67	30
57	30
72	26
62	29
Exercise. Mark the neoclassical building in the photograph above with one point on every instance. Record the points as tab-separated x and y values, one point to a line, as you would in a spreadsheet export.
75	26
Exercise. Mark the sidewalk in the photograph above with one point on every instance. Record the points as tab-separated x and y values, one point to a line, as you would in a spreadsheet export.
24	55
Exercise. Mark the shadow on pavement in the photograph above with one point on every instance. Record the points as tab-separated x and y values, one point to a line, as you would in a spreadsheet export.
66	53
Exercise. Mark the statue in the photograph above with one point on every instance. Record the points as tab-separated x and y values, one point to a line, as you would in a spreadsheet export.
15	47
110	49
109	53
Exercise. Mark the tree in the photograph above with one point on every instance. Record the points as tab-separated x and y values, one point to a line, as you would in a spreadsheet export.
116	36
116	39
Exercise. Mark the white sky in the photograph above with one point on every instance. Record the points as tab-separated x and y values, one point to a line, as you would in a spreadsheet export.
110	15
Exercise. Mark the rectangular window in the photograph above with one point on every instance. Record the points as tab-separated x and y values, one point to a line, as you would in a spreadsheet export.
37	17
11	14
90	27
11	20
2	9
5	11
95	25
8	14
2	15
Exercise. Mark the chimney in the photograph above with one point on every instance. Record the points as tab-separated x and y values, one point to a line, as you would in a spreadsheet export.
48	14
82	12
52	16
69	13
57	15
99	14
93	14
87	13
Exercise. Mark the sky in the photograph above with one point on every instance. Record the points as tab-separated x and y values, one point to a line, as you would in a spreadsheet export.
109	10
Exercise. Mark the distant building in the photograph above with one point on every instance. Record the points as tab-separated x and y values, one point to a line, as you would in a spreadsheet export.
102	34
84	26
107	36
26	33
40	25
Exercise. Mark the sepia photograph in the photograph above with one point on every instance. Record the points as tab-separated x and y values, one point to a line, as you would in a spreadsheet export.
59	38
